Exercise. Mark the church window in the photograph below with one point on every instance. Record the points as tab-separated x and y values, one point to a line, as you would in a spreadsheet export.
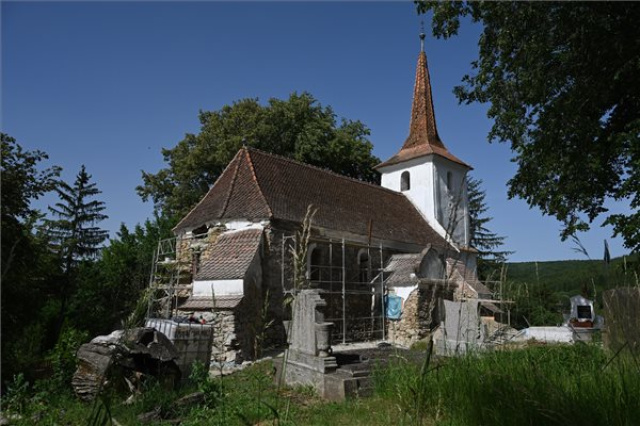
314	261
405	181
449	181
363	266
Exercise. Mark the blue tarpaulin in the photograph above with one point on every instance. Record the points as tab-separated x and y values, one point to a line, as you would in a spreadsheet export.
393	306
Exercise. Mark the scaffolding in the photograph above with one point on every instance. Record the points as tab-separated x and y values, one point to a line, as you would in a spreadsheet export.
354	292
170	277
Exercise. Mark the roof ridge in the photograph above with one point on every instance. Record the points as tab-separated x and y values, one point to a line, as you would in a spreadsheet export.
233	183
255	179
205	196
328	171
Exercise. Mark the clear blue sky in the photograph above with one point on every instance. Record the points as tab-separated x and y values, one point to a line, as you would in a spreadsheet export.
108	84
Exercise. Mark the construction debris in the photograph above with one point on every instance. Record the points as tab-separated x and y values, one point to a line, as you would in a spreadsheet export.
124	359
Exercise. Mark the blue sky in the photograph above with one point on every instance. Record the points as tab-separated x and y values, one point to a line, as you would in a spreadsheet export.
108	84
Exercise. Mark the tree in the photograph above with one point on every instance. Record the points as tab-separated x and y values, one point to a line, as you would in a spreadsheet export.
26	263
299	128
22	183
562	81
482	239
110	288
73	235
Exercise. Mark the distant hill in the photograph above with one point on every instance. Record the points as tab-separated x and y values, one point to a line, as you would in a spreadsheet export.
570	276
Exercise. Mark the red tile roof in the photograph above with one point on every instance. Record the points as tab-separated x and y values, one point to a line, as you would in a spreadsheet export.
231	255
257	185
402	269
423	134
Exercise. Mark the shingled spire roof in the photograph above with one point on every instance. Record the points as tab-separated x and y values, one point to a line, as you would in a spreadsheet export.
261	186
423	134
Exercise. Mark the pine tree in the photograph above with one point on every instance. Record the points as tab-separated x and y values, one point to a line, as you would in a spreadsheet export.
485	241
74	235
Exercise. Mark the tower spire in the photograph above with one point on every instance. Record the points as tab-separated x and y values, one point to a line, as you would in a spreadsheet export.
422	129
423	136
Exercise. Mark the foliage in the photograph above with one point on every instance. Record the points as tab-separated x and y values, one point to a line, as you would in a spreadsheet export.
17	396
299	128
301	250
63	357
22	182
486	242
26	264
73	235
536	385
561	78
579	384
110	288
203	382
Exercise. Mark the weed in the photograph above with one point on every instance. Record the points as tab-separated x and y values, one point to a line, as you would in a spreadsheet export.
200	378
17	395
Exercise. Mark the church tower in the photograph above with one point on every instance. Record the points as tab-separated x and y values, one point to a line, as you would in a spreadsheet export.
425	171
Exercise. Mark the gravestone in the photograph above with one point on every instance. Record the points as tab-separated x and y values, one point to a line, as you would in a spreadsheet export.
309	356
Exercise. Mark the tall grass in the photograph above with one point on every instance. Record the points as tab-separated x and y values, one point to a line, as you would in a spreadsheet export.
540	385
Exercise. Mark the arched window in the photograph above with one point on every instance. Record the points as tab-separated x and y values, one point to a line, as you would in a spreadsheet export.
363	266
314	260
449	181
405	181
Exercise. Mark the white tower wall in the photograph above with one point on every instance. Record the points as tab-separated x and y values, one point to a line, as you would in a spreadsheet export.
437	187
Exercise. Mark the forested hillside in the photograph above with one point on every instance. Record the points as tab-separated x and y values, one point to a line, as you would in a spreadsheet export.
572	275
541	290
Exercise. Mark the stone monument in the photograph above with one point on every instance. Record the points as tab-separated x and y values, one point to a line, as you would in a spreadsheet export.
309	356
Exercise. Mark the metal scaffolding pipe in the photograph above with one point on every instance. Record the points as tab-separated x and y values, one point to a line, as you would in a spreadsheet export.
382	291
330	265
282	262
344	295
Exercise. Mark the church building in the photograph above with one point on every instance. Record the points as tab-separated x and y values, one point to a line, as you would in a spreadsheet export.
382	256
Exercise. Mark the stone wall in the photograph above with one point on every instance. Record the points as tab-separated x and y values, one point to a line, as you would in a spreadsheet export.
226	345
193	250
421	313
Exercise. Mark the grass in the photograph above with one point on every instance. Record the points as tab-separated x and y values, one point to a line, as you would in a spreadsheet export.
250	398
538	385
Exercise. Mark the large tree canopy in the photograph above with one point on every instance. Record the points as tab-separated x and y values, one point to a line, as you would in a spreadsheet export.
562	81
299	128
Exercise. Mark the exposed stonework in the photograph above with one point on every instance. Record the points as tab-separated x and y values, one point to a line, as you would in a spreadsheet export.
421	313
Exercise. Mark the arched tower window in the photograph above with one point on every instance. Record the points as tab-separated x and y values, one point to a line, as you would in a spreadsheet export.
405	181
449	181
